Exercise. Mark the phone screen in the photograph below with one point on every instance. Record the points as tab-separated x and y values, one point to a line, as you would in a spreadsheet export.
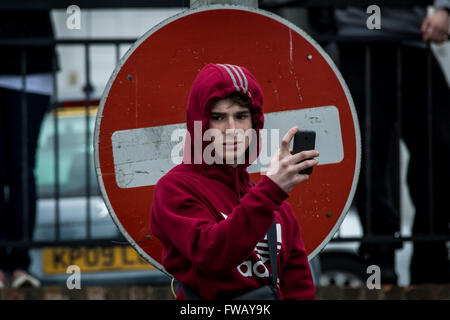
304	140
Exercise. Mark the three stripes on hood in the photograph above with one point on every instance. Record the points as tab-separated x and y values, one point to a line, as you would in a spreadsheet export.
240	76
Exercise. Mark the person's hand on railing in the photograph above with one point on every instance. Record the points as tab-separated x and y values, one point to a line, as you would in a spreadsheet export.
435	27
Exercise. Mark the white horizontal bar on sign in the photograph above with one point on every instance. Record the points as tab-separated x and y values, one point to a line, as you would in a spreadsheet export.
142	156
323	120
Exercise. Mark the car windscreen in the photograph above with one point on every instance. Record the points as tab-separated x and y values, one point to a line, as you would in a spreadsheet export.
64	165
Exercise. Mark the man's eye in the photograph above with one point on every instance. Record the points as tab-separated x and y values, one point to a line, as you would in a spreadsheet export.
216	118
242	116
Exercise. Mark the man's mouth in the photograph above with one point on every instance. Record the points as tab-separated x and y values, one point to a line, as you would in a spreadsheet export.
231	143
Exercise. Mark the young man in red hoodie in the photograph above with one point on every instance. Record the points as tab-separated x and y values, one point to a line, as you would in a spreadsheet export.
211	219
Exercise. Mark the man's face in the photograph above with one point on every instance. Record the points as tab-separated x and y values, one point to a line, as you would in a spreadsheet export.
232	120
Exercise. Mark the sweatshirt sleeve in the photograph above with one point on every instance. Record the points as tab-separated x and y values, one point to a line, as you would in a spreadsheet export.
296	280
181	220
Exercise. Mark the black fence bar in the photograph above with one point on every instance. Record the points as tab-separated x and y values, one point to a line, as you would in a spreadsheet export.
368	137
263	4
87	91
40	42
56	186
117	47
24	146
87	4
116	241
430	133
275	5
394	239
43	42
397	161
63	243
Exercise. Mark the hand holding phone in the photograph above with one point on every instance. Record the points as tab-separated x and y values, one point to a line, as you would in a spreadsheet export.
284	166
303	141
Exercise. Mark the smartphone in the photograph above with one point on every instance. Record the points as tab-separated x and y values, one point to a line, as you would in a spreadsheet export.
304	140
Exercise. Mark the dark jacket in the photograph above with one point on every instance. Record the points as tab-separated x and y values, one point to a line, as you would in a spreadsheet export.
27	25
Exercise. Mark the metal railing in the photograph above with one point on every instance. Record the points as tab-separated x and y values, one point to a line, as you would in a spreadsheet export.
263	4
87	44
369	236
55	105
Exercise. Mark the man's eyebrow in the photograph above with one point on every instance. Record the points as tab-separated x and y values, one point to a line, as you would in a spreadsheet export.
224	113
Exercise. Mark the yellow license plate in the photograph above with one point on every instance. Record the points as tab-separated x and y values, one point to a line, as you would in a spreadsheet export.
93	259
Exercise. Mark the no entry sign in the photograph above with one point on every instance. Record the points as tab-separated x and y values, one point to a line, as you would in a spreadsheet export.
144	105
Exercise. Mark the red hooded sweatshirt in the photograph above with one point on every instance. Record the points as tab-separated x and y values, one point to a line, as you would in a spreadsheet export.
211	219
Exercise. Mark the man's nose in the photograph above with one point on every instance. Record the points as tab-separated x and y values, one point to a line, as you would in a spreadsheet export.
230	123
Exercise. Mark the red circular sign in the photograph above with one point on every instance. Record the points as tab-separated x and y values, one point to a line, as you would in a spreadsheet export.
144	103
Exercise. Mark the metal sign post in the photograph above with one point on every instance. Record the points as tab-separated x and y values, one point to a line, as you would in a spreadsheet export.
243	3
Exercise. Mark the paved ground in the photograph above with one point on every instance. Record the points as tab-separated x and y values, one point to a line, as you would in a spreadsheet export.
424	292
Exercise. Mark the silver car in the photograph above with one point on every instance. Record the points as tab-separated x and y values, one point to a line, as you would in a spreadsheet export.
116	263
